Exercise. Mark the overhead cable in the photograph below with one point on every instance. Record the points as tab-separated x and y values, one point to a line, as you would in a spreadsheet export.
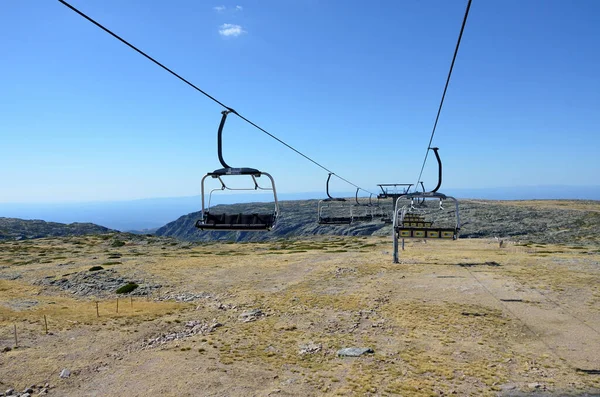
445	89
206	94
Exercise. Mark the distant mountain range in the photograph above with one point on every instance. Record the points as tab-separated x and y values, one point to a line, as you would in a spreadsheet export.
148	214
558	222
18	229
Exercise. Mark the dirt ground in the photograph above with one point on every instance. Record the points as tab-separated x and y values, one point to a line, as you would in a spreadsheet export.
462	317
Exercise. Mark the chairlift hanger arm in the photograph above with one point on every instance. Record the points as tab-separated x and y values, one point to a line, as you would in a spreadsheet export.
358	202
227	169
220	136
439	161
327	190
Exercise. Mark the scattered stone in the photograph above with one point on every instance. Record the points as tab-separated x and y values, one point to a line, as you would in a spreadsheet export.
508	386
95	283
534	385
29	389
184	296
43	391
354	351
65	373
227	306
6	349
474	314
25	395
310	348
191	328
9	392
344	270
251	315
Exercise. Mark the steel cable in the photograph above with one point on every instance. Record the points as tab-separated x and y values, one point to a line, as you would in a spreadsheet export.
208	95
445	89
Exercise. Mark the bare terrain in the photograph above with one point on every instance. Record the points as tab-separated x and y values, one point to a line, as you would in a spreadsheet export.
464	317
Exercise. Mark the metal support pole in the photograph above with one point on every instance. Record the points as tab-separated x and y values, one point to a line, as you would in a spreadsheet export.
395	245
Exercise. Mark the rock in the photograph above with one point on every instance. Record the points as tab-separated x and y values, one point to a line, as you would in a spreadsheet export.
508	386
29	389
534	385
310	348
354	351
43	391
25	395
251	315
9	392
6	349
65	373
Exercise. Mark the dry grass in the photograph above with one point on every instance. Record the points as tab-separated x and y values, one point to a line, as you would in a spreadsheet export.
579	205
437	321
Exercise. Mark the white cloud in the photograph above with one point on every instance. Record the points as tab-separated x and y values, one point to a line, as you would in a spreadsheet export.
239	8
231	30
219	8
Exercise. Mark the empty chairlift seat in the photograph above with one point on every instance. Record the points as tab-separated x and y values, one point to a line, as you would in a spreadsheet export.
251	220
409	224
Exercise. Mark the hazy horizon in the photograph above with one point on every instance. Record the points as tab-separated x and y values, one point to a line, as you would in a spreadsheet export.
149	213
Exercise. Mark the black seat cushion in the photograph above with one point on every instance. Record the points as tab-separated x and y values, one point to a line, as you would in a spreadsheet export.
237	221
331	220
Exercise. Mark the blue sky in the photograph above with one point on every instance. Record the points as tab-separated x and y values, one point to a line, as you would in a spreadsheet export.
355	85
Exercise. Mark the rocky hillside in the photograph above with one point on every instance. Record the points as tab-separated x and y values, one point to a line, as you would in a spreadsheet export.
19	229
549	221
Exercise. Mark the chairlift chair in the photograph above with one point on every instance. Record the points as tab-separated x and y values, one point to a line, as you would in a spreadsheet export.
363	212
332	210
248	221
414	221
420	221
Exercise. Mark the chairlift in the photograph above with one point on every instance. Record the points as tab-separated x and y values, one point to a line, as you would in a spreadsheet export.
364	212
333	210
414	219
247	221
383	212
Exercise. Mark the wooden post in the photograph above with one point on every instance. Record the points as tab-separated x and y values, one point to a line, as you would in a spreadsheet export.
16	340
46	324
97	312
117	305
131	301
